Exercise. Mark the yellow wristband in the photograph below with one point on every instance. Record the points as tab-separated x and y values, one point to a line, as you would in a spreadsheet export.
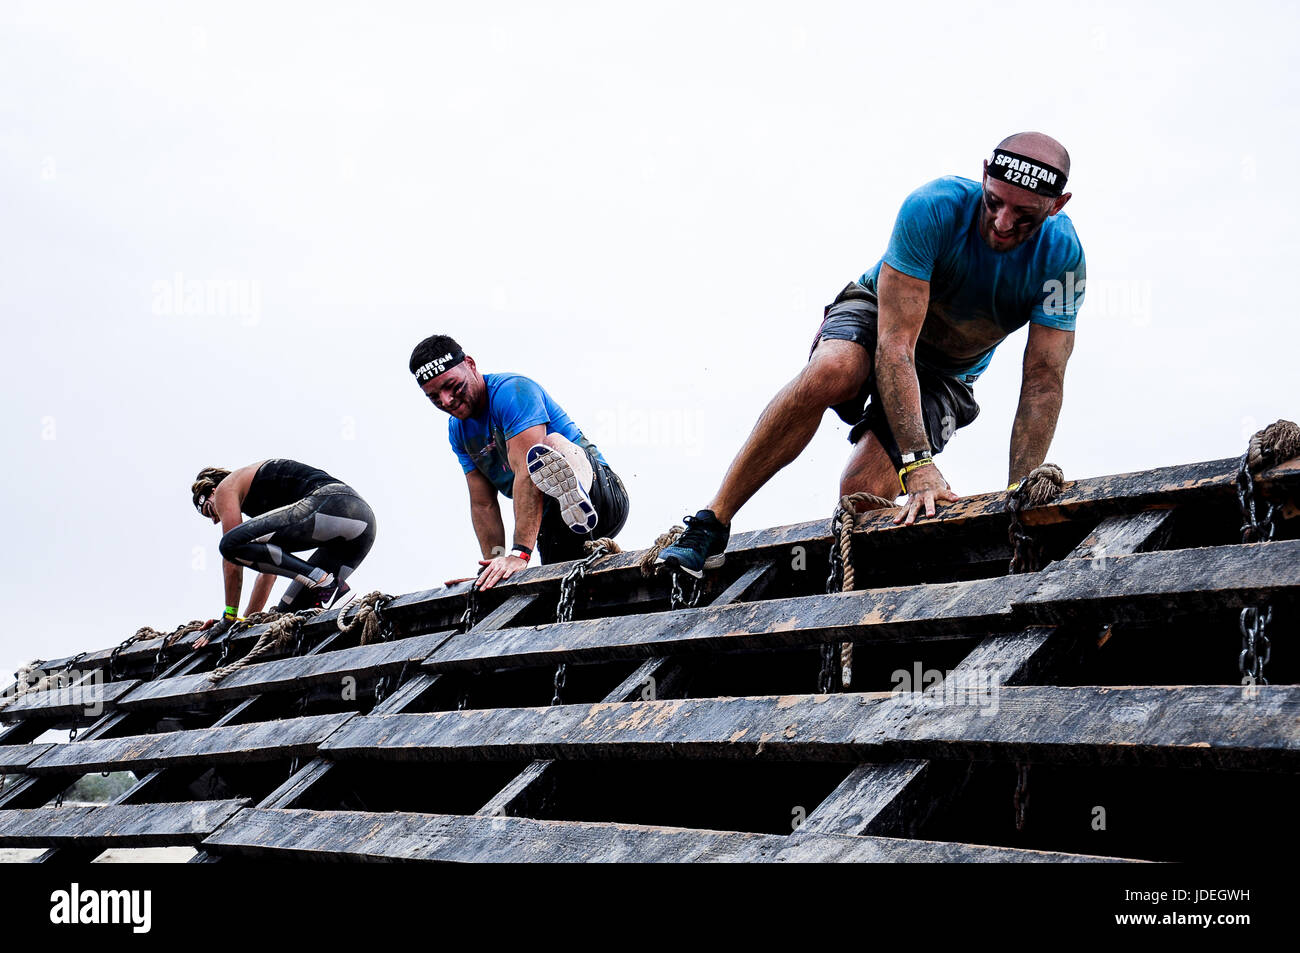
1014	486
914	465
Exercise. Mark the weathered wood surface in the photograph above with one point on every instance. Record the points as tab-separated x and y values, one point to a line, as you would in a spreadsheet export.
91	699
896	799
127	825
302	782
1186	725
659	672
946	610
1145	586
17	757
1092	498
288	674
259	741
1139	586
346	835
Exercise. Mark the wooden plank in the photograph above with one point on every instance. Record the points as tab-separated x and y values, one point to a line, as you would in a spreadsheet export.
1094	497
129	825
347	835
90	699
1144	586
302	782
17	757
232	744
660	673
860	798
946	610
1210	726
1133	587
288	674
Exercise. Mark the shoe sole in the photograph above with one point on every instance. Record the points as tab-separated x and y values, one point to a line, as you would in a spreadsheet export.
552	474
712	562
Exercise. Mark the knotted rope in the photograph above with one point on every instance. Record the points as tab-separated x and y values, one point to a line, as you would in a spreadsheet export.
1043	485
279	633
604	543
24	673
1276	443
367	620
647	560
843	522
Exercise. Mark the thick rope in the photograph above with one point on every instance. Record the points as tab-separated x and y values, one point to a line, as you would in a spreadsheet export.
366	621
604	543
647	561
22	675
1276	443
144	633
279	634
1043	485
848	516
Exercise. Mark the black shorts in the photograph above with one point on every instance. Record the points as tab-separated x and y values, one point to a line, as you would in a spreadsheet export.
947	403
556	543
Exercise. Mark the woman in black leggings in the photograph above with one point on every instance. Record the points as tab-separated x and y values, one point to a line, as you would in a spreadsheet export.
291	507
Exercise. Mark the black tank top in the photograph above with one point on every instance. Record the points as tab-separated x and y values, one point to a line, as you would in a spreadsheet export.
279	483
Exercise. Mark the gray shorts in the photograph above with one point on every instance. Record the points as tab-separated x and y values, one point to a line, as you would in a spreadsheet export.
947	403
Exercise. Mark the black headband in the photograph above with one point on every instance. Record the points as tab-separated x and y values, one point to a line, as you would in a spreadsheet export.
439	365
1032	175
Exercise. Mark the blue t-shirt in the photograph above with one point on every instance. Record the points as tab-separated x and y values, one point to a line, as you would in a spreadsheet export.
978	296
514	403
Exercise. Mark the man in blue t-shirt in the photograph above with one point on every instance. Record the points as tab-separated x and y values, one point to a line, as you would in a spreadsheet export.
513	439
968	263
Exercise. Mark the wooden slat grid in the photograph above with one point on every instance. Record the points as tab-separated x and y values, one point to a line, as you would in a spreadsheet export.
287	756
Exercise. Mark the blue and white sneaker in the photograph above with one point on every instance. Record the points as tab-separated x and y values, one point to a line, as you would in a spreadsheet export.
701	547
552	473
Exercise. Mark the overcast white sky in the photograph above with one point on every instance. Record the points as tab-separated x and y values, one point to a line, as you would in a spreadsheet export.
644	207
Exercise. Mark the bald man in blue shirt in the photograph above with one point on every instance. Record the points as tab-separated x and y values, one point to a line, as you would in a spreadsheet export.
899	349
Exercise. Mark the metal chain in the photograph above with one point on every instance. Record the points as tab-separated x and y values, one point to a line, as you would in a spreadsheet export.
561	675
1256	649
1021	798
677	595
830	660
469	618
564	609
835	581
1024	551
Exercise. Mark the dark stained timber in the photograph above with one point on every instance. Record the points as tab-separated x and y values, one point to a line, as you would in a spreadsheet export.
346	835
1216	726
169	824
259	741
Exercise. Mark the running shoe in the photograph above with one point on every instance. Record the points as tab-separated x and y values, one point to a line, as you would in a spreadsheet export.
552	473
701	547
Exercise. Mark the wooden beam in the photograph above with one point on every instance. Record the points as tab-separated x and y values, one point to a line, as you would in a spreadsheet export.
1206	726
1091	498
233	744
347	835
306	779
90	700
288	674
948	610
129	825
659	672
16	757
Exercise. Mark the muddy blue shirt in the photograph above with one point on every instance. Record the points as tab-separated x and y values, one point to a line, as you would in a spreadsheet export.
977	295
514	403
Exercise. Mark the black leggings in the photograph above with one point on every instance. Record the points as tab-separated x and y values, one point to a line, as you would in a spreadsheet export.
331	518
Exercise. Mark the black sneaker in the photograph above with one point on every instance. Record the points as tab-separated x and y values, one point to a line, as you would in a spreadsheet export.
701	547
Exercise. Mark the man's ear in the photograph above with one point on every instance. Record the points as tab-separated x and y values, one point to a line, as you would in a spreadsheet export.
1059	203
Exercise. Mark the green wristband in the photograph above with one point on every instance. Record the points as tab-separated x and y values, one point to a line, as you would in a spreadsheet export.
231	612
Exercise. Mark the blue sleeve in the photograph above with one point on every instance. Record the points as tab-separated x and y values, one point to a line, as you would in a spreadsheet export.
1062	294
519	404
919	232
458	445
